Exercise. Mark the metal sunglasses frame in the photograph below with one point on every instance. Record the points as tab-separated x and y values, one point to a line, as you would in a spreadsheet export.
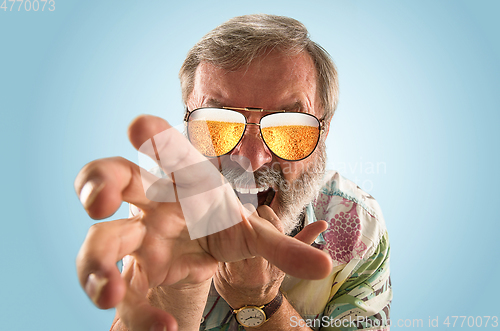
260	110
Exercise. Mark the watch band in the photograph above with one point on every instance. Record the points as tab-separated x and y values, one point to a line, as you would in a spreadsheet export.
273	306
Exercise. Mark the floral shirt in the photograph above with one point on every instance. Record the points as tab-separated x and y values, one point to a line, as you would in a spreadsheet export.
357	294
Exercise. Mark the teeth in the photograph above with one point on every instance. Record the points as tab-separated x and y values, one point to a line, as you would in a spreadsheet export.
253	190
262	189
243	190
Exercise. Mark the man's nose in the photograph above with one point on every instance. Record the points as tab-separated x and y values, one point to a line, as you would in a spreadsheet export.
253	149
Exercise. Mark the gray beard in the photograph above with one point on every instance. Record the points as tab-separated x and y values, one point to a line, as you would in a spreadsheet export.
292	197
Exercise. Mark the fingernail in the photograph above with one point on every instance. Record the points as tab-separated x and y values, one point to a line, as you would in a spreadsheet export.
90	191
158	327
94	286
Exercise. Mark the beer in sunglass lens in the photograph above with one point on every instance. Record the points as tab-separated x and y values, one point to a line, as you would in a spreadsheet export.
291	136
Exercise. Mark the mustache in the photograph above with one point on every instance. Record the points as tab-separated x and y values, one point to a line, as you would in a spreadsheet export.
273	176
264	177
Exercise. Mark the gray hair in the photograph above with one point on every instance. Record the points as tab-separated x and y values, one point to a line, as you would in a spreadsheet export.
235	43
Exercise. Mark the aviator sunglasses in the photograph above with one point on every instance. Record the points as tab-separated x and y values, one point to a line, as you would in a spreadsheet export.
291	136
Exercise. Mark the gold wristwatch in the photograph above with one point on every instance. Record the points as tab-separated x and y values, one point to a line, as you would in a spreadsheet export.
255	316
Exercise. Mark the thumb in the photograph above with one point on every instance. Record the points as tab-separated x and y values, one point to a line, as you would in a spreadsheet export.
293	256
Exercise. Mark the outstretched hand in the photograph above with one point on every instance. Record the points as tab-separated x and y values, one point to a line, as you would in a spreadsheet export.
158	239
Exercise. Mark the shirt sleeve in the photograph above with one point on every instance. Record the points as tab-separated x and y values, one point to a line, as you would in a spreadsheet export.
363	301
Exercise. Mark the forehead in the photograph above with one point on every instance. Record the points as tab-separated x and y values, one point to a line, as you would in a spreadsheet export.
272	81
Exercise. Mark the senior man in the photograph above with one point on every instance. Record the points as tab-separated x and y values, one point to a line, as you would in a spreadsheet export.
259	98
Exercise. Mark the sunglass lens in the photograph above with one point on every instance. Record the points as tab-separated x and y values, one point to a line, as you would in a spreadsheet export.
291	136
214	131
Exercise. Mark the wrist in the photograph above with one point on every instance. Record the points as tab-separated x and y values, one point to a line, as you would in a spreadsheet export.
238	298
185	302
187	287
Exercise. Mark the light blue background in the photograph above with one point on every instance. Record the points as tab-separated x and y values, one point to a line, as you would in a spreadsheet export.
419	96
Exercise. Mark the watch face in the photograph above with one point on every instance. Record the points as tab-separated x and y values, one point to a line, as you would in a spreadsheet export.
251	316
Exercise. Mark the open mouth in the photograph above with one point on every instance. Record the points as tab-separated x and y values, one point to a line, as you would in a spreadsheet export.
264	195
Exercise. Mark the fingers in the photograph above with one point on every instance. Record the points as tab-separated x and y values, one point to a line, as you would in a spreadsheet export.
268	214
172	151
105	244
199	186
311	232
306	235
103	184
156	138
143	127
289	254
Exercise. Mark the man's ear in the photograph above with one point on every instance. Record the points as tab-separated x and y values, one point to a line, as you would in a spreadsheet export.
327	128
